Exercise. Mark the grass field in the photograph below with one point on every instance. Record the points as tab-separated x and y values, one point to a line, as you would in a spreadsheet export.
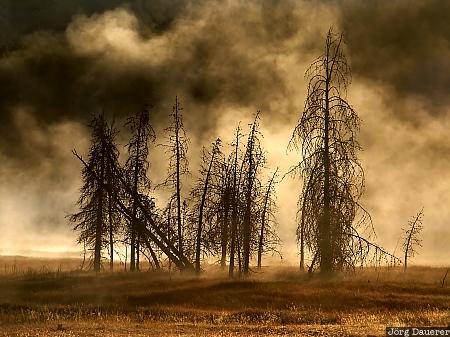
44	298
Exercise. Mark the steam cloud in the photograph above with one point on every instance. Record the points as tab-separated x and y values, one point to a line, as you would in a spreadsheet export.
62	61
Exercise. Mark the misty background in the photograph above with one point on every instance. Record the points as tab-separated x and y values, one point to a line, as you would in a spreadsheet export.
63	60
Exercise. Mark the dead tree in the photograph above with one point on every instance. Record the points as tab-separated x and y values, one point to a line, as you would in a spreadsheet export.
176	147
148	226
333	177
92	219
268	239
412	237
234	201
115	218
252	163
136	168
169	230
226	181
208	177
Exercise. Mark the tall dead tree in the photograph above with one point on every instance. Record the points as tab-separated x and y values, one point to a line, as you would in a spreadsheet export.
268	239
333	176
92	219
169	226
115	218
252	163
412	237
208	174
176	147
234	202
136	169
226	182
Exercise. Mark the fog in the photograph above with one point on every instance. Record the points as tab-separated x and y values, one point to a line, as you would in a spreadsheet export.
62	61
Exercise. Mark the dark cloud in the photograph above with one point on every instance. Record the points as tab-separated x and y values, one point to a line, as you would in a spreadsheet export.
404	45
71	68
19	18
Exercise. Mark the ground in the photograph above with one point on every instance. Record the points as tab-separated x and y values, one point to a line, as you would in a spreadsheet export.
273	302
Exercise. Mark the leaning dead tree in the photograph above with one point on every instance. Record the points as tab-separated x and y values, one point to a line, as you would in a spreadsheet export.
176	147
148	225
136	169
412	237
330	216
91	219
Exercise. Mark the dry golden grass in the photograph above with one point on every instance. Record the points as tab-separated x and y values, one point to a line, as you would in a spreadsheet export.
271	303
16	265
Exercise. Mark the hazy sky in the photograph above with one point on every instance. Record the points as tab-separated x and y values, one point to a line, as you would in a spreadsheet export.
63	60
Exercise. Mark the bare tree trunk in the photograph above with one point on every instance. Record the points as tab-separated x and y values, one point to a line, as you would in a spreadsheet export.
133	250
178	187
154	257
126	256
138	247
168	228
200	215
232	244
161	241
247	225
132	246
263	220
239	260
261	233
408	246
326	259
313	262
84	255
246	238
111	237
224	232
234	209
302	246
406	261
99	221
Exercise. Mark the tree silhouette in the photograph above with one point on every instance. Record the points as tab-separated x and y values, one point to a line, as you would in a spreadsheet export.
176	147
236	172
334	178
225	206
98	183
268	239
253	161
136	169
412	237
205	192
115	218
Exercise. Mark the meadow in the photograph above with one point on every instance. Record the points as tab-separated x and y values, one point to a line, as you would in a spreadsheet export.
49	297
